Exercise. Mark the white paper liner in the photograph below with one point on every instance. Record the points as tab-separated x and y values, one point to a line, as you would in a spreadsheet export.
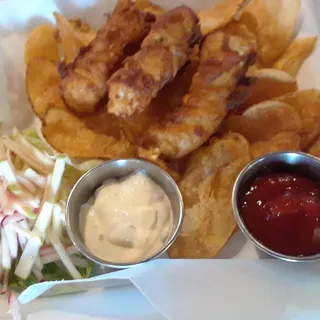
17	19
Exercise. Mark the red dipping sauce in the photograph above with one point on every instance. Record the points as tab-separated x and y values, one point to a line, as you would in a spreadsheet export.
282	211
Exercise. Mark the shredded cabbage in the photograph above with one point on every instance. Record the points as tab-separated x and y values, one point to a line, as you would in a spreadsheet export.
35	182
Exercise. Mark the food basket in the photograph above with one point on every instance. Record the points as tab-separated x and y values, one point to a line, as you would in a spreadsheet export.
238	254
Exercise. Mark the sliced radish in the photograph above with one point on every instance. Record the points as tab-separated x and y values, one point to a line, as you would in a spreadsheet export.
56	221
46	191
26	210
26	233
6	204
71	249
5	250
80	262
10	202
19	175
12	242
65	259
2	216
56	178
38	263
35	178
26	184
14	307
38	274
13	184
50	258
62	205
46	246
23	241
31	250
7	171
15	217
31	183
43	219
1	267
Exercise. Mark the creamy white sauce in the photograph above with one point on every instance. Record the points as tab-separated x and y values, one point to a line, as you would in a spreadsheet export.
126	220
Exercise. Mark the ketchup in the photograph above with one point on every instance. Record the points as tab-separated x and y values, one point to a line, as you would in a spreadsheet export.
282	211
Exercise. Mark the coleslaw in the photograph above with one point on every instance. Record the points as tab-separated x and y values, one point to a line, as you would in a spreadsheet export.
35	182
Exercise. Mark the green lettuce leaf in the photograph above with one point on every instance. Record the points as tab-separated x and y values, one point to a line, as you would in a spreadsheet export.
50	271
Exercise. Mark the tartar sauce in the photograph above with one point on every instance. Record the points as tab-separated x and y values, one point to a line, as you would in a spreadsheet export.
126	220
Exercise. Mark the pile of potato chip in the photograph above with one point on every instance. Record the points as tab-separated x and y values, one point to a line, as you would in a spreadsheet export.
275	115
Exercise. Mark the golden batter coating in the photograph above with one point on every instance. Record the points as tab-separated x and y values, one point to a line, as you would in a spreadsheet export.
224	62
163	52
85	81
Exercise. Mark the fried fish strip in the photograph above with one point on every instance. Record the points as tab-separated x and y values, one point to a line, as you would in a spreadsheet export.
85	81
163	52
224	61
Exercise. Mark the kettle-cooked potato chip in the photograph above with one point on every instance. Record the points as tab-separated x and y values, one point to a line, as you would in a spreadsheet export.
265	120
133	127
210	222
221	14
295	55
307	104
241	30
206	188
70	43
205	160
41	76
83	31
226	177
71	37
67	134
269	84
50	99
274	22
41	43
285	141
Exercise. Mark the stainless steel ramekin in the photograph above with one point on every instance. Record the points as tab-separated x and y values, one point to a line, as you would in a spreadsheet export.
296	162
93	179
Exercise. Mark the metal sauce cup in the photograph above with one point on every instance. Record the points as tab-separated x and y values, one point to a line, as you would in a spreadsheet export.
93	179
295	162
